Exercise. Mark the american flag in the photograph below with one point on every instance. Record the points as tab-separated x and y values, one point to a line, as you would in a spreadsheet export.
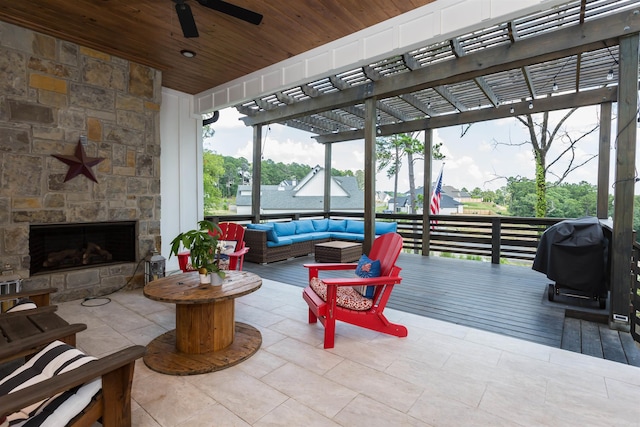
434	205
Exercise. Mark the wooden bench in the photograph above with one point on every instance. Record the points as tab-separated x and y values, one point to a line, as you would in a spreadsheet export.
26	332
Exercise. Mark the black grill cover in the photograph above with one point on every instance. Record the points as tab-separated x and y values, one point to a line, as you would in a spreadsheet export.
574	254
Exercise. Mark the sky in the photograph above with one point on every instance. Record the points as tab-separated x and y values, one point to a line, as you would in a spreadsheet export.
481	158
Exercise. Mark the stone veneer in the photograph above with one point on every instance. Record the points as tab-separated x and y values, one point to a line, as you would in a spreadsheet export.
52	92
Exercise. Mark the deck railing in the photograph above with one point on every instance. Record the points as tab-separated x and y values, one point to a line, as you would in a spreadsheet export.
489	237
635	293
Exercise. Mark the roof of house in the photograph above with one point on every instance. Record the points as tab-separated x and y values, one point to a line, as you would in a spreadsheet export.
276	197
454	192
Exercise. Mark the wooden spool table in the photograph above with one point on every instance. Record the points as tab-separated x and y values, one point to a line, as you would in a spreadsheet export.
206	337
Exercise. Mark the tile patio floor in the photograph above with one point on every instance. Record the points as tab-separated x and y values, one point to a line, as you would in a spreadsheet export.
442	374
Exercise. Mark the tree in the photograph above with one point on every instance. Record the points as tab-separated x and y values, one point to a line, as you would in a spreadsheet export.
488	196
360	179
520	196
236	170
542	135
476	193
275	173
213	170
564	200
391	150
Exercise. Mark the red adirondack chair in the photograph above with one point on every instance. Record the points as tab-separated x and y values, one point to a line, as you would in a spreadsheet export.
231	232
342	302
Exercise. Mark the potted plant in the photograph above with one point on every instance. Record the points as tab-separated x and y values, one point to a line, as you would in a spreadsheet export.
204	249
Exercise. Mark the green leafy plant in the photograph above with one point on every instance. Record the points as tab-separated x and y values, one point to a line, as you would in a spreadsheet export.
203	246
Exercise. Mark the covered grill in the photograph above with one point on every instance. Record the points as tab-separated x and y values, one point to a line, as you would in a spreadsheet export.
574	253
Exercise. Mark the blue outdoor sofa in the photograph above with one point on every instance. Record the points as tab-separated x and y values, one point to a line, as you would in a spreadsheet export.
277	241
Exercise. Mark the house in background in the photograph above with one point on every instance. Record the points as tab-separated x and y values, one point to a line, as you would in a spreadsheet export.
400	204
307	195
461	196
448	205
383	198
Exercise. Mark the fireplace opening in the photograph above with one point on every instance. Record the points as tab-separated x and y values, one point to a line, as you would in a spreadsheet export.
54	247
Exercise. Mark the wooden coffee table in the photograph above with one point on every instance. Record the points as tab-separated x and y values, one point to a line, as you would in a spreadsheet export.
206	337
338	251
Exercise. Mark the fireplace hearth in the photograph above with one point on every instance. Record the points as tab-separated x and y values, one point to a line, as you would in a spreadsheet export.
55	247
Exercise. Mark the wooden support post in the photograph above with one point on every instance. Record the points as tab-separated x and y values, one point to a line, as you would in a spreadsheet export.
426	194
624	182
603	161
369	173
495	240
257	167
327	178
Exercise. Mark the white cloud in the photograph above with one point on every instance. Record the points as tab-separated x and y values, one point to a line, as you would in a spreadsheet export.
229	119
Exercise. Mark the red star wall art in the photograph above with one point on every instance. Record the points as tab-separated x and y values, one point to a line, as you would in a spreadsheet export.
80	163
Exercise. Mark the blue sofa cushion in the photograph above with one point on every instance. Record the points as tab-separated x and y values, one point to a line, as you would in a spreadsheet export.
319	235
354	237
355	227
285	228
320	224
386	227
271	234
301	237
338	225
305	226
282	241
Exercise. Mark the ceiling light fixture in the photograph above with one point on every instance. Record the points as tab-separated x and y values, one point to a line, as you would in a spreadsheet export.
530	105
610	74
187	53
555	86
512	110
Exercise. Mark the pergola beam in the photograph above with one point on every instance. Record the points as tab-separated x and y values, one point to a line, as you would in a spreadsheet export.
591	35
558	102
482	84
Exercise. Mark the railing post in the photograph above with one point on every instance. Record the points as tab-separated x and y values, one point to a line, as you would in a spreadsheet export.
495	240
634	297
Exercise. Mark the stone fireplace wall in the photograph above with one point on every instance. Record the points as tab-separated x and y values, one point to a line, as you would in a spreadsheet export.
52	93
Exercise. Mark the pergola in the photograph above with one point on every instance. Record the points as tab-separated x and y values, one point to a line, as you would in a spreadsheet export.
578	54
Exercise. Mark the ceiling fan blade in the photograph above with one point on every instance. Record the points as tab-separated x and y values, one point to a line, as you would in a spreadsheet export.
233	10
187	22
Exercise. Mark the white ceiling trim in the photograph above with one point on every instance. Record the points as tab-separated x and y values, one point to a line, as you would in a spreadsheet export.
437	21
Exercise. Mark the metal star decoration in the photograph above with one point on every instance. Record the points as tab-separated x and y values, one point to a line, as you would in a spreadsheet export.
80	163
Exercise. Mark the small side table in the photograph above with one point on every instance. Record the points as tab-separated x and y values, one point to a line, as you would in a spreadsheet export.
338	251
207	338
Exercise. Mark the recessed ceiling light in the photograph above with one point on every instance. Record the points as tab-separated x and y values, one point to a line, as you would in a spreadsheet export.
188	53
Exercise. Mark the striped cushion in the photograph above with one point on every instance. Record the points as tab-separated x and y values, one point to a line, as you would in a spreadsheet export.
23	304
57	410
346	296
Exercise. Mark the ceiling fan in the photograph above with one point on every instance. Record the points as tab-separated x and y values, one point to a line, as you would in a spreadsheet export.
188	24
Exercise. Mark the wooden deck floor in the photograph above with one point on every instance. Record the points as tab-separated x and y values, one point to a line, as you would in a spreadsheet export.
505	299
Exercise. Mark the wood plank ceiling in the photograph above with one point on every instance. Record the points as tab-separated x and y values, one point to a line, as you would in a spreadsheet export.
550	60
148	32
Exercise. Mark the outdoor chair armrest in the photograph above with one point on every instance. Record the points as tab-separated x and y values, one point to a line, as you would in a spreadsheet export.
108	365
40	296
239	253
358	281
314	269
